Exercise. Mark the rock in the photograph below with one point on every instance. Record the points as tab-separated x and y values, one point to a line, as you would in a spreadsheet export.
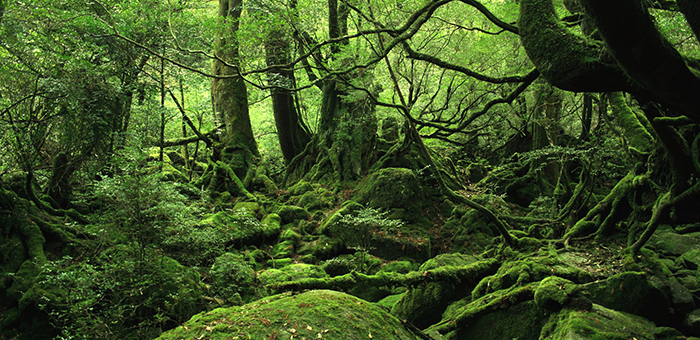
603	323
318	314
670	243
424	305
554	292
630	292
291	272
692	322
689	259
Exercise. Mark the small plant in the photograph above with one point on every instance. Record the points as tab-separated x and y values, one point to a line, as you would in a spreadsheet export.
363	223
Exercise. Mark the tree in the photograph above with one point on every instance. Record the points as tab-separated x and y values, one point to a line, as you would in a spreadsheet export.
229	92
657	75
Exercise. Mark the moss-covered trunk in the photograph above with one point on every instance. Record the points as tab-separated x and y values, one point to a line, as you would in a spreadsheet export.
291	131
230	97
344	147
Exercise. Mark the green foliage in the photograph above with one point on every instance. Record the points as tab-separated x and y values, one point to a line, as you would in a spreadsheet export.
233	280
139	204
116	297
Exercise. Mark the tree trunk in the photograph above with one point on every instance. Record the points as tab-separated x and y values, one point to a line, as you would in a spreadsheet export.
230	96
345	143
291	131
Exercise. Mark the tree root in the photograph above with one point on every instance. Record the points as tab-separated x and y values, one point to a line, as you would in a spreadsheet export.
486	305
470	274
236	180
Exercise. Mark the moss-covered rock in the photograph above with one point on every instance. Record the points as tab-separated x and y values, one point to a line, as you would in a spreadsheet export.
423	305
321	248
300	188
250	208
630	292
602	323
291	213
554	292
390	189
668	242
318	314
523	321
689	259
283	249
291	273
317	199
402	267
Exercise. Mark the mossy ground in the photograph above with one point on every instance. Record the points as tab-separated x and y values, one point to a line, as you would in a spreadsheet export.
319	314
388	227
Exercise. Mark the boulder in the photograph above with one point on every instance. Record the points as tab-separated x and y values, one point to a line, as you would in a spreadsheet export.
317	314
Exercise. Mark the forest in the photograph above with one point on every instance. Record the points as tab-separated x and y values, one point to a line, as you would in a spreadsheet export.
350	169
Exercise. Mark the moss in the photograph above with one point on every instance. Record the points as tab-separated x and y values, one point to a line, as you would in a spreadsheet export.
423	305
249	208
291	213
599	324
271	224
475	309
291	235
233	279
669	243
565	59
340	265
291	273
398	267
300	188
637	135
389	301
316	200
393	188
283	249
515	273
348	235
311	315
523	321
690	259
239	227
630	292
554	292
12	254
321	248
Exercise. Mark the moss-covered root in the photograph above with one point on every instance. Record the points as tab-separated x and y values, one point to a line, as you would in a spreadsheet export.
632	123
604	210
470	274
485	305
500	225
237	181
662	210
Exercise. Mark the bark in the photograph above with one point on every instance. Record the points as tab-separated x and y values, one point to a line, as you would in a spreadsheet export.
291	132
59	187
587	116
344	147
691	10
566	60
229	95
660	71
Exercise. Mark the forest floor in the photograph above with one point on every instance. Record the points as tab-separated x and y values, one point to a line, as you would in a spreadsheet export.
386	258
